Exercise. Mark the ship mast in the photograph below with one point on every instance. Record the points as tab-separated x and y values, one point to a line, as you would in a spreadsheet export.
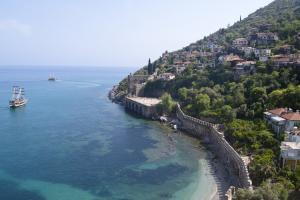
15	93
18	93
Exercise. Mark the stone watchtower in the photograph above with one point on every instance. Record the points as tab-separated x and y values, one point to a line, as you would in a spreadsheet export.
135	84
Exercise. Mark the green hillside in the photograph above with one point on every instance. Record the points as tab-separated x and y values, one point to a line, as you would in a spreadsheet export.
223	81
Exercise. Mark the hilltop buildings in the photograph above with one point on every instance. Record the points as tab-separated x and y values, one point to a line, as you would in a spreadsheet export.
263	39
244	68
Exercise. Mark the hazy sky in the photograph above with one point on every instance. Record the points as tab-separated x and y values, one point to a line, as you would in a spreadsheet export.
108	32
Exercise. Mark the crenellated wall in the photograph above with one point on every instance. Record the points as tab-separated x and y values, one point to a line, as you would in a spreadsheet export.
231	159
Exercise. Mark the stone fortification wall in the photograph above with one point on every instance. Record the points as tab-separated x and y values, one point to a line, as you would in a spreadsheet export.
135	84
231	159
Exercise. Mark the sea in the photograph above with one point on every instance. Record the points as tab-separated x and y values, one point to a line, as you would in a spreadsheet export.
71	143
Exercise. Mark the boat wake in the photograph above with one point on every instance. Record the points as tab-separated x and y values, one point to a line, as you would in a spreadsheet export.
81	83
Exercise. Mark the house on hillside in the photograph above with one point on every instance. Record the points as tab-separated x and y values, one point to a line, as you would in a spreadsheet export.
213	47
263	38
280	60
166	76
292	119
248	51
244	68
262	54
287	49
179	68
285	60
231	59
290	150
240	42
282	119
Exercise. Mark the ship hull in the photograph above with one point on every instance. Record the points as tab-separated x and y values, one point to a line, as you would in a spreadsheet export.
13	104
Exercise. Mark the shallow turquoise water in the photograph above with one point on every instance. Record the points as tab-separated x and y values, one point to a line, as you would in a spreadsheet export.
71	143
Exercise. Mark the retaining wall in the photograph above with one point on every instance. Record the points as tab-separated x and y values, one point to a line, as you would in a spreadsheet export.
231	159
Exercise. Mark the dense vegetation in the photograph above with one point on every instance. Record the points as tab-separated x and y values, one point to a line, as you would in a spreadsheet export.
215	95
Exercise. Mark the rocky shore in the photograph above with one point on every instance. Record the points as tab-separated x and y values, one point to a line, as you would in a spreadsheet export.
115	95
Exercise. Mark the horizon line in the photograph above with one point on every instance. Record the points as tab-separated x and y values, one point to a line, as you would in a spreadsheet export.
60	65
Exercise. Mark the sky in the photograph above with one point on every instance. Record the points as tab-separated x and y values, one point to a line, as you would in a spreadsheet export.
109	32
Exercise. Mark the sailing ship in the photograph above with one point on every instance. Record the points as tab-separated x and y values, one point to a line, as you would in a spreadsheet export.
18	99
51	78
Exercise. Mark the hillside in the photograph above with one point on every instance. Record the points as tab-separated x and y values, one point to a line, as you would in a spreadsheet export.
233	77
281	16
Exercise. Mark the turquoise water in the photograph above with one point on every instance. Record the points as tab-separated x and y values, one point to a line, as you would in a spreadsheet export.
71	143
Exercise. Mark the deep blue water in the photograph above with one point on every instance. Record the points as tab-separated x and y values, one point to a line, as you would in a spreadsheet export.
71	143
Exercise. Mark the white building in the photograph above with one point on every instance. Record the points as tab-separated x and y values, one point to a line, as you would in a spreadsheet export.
282	119
290	149
167	76
240	42
262	54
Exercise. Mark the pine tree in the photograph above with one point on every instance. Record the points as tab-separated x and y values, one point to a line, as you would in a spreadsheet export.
150	67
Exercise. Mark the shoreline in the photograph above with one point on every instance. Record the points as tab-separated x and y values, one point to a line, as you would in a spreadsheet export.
219	173
215	166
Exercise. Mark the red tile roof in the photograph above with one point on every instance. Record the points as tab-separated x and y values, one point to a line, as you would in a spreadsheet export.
278	111
293	116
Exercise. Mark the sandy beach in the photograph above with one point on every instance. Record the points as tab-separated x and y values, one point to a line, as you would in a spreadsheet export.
221	177
214	168
216	176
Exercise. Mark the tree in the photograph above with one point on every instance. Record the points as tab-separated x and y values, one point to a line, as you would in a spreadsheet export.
228	113
262	167
275	98
167	103
202	102
183	93
258	94
284	77
272	191
150	67
239	98
267	191
244	194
